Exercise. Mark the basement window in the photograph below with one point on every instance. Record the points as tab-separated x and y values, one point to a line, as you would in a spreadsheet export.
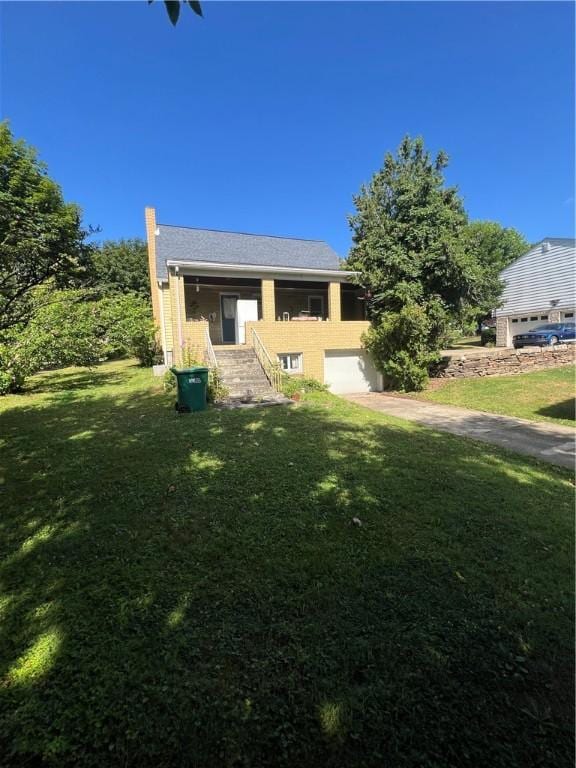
290	362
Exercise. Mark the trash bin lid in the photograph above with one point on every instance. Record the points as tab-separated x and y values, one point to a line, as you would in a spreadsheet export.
194	369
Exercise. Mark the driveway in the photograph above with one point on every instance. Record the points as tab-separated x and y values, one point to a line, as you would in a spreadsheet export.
548	442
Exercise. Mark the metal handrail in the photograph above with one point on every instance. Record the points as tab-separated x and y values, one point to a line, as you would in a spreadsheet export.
211	355
272	370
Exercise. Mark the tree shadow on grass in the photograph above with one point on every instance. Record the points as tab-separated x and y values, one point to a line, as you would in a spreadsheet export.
190	591
73	379
566	409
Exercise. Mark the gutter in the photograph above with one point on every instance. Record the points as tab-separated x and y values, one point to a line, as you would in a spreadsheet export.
211	266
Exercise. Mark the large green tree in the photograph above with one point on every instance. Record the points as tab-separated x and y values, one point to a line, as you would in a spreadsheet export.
494	247
121	266
41	237
410	249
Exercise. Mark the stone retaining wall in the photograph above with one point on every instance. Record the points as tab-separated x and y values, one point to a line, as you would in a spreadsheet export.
503	362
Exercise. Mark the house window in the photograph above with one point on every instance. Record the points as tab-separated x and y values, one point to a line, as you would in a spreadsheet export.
514	319
291	362
568	314
543	317
534	318
316	306
523	319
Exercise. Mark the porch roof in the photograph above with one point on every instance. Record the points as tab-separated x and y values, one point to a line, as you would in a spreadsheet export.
185	245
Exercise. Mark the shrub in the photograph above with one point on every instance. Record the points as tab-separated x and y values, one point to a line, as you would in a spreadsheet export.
169	382
216	388
488	337
403	345
292	384
17	362
129	327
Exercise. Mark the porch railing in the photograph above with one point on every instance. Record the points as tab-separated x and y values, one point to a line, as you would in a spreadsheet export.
272	370
210	354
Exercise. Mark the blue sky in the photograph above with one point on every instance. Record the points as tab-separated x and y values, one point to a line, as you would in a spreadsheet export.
266	117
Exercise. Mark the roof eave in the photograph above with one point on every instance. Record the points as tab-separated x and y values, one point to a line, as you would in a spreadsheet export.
212	266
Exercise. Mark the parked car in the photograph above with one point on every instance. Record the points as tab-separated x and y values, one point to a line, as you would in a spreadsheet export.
551	333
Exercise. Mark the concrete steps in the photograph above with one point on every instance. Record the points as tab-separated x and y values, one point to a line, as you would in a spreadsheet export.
242	373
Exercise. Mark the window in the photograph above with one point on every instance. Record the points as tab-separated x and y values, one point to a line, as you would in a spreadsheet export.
543	317
514	319
523	319
534	318
290	362
568	314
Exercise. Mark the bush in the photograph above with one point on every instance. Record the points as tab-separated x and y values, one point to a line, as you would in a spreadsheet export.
488	337
17	362
403	345
129	327
169	382
292	384
216	389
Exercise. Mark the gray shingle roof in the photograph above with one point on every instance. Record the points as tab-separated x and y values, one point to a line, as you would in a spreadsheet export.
187	244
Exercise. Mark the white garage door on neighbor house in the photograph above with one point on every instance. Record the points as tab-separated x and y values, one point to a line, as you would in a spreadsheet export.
350	370
525	323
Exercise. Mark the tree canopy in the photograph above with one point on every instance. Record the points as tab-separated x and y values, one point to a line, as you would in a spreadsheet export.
422	264
41	237
494	247
408	234
121	266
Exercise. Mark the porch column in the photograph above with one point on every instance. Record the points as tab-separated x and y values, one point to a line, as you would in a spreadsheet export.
268	301
334	302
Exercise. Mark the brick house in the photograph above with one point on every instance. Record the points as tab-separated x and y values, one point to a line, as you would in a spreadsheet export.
285	301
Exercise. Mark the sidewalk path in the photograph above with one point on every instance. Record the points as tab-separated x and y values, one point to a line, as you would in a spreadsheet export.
545	441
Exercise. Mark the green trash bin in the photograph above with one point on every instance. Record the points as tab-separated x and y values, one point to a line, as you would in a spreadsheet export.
192	388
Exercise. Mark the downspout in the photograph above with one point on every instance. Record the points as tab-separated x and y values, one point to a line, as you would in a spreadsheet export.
162	322
180	337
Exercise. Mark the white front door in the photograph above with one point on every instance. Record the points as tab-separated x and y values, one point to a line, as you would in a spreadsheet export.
350	370
246	310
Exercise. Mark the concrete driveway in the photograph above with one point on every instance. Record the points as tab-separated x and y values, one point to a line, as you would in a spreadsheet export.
548	442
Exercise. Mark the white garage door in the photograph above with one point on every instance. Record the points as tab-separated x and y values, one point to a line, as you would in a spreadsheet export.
350	370
525	323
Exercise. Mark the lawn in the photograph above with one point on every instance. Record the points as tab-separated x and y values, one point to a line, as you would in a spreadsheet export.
539	396
191	590
466	342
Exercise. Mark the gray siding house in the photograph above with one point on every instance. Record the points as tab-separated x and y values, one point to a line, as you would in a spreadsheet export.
540	287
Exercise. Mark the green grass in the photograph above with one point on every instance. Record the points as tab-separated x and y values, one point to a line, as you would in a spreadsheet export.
190	590
466	342
540	396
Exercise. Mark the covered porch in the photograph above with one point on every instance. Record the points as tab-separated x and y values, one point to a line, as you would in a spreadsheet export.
226	303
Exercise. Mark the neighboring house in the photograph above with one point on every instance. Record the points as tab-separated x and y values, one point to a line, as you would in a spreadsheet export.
214	291
540	287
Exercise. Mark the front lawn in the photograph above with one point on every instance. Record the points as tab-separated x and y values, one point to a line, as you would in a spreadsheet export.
539	396
191	590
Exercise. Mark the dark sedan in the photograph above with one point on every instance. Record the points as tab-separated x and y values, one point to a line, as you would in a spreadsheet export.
551	333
